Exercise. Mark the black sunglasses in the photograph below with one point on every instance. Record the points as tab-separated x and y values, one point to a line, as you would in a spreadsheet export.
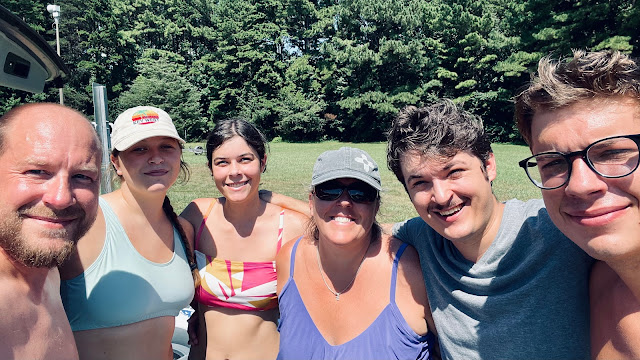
359	192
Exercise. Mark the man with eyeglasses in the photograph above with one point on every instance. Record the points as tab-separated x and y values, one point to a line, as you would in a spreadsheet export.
503	282
581	119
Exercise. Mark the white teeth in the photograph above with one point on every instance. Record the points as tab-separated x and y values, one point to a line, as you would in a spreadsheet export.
341	219
239	184
451	211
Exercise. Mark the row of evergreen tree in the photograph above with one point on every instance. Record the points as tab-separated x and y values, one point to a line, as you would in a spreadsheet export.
307	70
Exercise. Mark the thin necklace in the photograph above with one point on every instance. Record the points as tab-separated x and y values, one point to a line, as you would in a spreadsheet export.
338	293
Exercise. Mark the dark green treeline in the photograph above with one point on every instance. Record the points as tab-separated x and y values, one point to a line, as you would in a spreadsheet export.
307	70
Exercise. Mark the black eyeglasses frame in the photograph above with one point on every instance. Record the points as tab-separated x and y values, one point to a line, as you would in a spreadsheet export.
583	155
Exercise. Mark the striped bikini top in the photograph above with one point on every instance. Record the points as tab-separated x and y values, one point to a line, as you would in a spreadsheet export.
244	285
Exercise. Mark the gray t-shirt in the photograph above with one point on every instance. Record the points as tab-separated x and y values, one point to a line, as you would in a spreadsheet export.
526	298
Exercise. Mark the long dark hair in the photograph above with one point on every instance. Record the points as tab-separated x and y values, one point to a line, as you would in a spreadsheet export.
173	217
228	128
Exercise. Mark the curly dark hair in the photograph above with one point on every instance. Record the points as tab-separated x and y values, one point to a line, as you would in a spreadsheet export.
442	129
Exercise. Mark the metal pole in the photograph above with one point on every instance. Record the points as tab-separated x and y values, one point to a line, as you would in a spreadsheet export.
58	48
100	117
54	10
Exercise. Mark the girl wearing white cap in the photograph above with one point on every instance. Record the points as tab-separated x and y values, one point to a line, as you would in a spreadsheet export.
132	272
236	242
347	291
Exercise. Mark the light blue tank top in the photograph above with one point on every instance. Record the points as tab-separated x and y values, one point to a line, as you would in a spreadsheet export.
122	287
388	337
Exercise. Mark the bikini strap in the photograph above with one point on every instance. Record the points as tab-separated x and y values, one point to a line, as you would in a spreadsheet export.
293	257
280	231
204	221
394	272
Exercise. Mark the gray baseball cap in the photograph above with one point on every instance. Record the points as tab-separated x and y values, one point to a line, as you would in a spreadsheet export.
346	162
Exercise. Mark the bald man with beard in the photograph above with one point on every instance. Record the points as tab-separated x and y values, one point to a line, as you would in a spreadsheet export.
49	186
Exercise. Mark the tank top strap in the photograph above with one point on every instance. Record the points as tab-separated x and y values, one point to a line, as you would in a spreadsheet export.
280	231
204	221
394	273
293	258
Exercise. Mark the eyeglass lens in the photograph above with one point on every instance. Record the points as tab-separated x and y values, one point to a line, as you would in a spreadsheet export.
612	158
359	192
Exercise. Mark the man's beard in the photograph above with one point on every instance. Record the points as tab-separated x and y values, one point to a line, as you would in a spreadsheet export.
26	251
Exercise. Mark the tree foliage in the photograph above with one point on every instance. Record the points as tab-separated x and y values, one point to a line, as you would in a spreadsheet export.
307	70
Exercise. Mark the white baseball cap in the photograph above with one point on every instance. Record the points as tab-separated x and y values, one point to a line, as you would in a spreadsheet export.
139	123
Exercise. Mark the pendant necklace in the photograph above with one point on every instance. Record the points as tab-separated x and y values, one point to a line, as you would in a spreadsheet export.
338	293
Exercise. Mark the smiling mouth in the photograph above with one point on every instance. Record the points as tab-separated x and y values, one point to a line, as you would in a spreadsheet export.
341	219
237	184
450	211
597	218
58	221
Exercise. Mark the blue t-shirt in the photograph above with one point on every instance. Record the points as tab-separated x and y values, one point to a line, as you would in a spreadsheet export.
526	298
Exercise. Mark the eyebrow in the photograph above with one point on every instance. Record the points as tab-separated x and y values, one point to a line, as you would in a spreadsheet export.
227	157
446	167
41	162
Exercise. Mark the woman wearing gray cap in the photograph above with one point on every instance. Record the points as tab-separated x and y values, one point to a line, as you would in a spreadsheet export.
347	291
132	272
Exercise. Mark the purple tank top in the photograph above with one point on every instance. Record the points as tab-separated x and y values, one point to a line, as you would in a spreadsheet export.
388	337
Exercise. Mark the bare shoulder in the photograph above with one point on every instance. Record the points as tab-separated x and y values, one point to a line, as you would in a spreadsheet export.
615	316
409	272
195	211
411	293
283	264
409	258
188	229
284	255
87	249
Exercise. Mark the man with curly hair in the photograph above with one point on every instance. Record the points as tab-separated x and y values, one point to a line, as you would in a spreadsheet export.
502	281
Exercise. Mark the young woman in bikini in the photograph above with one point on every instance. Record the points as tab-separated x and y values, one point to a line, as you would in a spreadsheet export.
237	238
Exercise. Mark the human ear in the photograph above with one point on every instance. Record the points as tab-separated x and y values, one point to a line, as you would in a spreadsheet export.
490	167
116	164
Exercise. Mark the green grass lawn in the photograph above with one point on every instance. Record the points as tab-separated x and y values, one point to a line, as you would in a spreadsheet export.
289	168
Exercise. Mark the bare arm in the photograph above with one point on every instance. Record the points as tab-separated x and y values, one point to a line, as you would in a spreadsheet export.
285	201
283	262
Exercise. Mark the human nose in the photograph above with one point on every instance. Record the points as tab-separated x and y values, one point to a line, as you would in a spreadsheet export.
344	199
58	193
155	158
583	180
440	192
234	168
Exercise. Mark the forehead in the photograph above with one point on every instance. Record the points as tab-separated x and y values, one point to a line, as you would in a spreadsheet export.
233	147
580	124
417	161
47	138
